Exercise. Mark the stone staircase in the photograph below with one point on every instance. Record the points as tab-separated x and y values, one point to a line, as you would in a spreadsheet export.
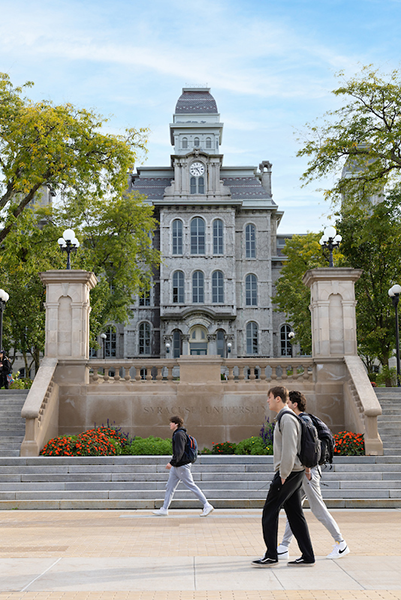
389	423
138	482
12	426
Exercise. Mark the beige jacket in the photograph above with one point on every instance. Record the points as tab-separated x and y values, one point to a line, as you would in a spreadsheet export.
287	444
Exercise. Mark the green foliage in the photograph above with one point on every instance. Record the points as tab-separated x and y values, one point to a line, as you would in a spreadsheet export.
387	376
349	444
365	133
151	445
64	149
224	448
292	296
20	383
253	445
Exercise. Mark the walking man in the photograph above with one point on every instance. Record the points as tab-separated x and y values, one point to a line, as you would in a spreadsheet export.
311	490
180	470
285	488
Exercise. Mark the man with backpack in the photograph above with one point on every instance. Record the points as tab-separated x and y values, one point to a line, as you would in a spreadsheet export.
311	487
285	488
180	469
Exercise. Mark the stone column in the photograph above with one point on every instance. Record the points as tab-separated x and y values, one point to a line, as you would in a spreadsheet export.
333	311
67	319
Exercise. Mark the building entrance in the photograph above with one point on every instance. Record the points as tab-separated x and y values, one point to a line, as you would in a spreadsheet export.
198	341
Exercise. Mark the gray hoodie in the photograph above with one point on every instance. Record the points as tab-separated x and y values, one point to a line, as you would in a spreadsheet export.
287	444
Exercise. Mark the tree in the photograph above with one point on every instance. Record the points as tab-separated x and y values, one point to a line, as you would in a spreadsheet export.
371	242
58	147
365	134
293	297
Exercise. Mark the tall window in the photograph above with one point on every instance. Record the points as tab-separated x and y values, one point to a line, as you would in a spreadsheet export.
251	290
286	346
198	287
144	338
144	298
185	142
196	142
218	237
252	338
217	287
177	236
178	287
208	142
176	343
110	342
220	343
197	236
197	185
250	241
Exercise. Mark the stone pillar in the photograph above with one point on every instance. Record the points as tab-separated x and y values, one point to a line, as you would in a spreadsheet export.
67	313
333	311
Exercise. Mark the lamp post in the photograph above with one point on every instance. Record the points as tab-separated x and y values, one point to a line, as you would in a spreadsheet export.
229	346
394	293
3	299
68	243
167	347
103	337
330	240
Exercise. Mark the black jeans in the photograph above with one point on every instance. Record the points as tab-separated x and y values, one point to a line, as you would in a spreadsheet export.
289	497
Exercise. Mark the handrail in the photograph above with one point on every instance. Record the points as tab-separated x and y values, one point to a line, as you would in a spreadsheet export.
40	409
361	405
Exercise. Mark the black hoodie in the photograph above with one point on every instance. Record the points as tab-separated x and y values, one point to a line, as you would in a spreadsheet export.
179	442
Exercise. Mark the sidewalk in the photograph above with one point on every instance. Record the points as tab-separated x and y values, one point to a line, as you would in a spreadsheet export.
133	555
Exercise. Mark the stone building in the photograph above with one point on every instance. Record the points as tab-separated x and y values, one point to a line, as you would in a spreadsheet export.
221	251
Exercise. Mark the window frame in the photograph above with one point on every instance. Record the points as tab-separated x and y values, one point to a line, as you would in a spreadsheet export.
198	287
217	287
198	237
180	285
251	290
177	237
144	338
250	240
252	338
218	237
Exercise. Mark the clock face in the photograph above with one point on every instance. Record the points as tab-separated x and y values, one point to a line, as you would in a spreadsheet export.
197	169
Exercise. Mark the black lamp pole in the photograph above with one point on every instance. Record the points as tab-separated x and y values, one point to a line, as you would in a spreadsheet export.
3	299
394	294
330	241
68	243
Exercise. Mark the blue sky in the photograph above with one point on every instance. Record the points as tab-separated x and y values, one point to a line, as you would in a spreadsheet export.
271	67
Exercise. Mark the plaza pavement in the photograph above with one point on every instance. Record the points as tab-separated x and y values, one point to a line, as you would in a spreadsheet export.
133	555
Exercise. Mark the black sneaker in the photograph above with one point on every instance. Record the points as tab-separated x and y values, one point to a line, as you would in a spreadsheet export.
300	562
264	562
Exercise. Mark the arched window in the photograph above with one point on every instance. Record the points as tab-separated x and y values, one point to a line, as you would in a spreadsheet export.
198	288
144	338
220	343
197	236
196	142
251	290
286	346
250	241
177	236
218	237
197	185
110	343
176	343
252	338
185	142
217	287
178	287
208	142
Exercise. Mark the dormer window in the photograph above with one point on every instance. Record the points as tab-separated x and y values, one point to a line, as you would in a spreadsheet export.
196	142
197	185
185	142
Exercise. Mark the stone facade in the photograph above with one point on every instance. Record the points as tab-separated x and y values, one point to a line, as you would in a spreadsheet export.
218	238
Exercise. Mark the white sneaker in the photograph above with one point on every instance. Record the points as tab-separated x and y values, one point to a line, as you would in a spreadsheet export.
207	509
283	552
161	512
340	549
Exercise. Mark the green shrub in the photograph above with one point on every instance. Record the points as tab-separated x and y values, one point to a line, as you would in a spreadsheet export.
253	445
224	448
150	445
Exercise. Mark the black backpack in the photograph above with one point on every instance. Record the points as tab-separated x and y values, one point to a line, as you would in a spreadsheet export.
309	454
191	449
326	438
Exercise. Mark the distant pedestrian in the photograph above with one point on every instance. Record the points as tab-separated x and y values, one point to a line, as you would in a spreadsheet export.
180	470
285	488
5	369
311	490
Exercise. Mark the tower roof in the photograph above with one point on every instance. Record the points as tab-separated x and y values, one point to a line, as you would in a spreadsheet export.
196	100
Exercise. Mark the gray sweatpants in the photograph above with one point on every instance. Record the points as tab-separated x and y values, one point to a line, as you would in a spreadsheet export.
183	474
312	491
